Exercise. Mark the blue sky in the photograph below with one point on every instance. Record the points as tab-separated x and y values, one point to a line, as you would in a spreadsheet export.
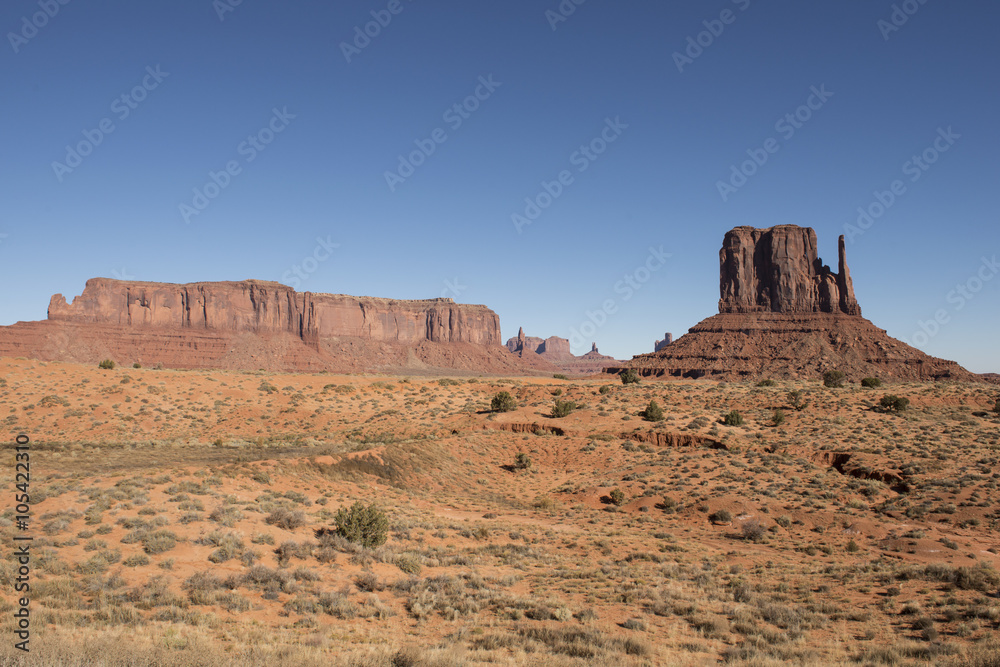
591	116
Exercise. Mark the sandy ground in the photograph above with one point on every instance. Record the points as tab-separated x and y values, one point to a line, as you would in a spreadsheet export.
841	534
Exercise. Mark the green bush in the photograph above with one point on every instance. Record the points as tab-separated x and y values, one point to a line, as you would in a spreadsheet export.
503	402
778	417
107	364
522	461
362	524
563	408
733	418
653	412
137	365
996	407
629	376
797	400
893	403
767	383
833	379
617	496
560	376
870	383
606	389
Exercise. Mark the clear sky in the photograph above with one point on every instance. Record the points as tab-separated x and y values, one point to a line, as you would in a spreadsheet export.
593	145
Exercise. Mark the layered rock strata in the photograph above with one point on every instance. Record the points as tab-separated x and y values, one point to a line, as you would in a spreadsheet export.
258	324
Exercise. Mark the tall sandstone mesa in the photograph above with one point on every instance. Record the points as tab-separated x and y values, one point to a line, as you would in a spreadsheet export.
252	324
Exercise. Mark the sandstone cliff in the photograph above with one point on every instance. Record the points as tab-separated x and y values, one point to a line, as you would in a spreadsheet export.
778	270
783	314
268	307
257	324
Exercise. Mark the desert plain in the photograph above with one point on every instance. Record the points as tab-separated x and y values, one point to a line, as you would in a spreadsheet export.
188	517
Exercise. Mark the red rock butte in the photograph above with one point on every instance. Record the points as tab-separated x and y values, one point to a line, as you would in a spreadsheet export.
784	314
556	351
255	324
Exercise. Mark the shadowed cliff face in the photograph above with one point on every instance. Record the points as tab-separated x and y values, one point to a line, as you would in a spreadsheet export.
268	307
778	270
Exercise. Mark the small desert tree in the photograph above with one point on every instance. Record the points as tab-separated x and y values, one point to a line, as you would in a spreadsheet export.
653	412
503	402
107	364
733	418
870	383
778	417
833	378
617	496
893	403
563	408
996	407
522	461
362	524
629	376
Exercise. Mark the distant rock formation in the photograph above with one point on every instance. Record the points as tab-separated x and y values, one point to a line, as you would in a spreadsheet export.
259	324
783	314
668	338
553	348
556	351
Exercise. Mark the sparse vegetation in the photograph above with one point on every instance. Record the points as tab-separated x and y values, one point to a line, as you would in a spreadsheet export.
503	402
871	383
362	524
653	412
796	398
589	555
562	408
629	376
286	518
720	516
733	418
893	403
833	378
